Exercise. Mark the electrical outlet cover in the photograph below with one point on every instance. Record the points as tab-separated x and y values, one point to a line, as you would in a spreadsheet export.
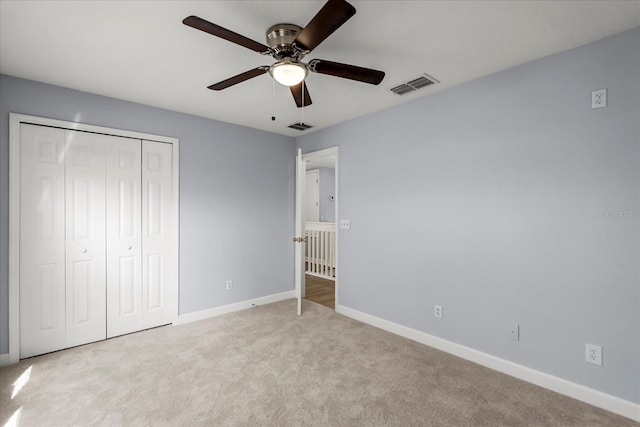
593	354
513	332
599	98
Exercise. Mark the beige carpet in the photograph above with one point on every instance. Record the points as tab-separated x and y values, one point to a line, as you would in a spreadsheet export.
267	367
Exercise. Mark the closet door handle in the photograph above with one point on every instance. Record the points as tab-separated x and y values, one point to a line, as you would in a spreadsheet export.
84	251
130	247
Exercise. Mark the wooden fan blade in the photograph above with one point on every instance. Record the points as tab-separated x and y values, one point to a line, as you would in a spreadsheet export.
239	78
346	71
332	15
223	33
296	91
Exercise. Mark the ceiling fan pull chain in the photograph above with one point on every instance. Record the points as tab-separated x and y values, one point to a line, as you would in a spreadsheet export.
302	109
273	100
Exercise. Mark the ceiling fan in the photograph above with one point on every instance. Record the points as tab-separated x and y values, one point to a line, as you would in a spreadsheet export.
288	44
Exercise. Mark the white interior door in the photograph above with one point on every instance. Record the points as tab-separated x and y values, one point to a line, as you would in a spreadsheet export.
124	236
42	240
301	169
85	237
159	260
312	196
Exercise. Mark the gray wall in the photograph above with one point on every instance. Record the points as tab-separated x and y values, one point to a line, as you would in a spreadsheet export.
327	178
505	199
233	181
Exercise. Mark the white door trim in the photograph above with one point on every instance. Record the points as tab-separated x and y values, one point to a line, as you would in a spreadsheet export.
14	209
298	257
331	151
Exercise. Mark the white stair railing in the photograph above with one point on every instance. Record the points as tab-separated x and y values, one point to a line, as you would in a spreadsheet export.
321	249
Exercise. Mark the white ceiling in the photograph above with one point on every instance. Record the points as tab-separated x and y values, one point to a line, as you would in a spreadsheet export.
140	51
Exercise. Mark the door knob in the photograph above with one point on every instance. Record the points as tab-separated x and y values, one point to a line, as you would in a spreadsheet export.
84	251
130	247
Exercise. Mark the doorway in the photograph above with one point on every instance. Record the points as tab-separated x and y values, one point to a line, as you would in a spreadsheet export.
320	231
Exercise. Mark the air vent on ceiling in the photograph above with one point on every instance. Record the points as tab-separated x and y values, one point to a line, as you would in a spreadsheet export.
413	85
300	126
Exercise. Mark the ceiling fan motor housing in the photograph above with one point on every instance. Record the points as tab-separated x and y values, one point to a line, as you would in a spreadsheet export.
280	38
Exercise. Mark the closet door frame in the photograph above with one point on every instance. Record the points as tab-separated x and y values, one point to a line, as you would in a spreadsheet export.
14	213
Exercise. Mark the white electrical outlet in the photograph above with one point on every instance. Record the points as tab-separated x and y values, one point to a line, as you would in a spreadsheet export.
345	224
513	332
437	311
599	98
593	354
229	285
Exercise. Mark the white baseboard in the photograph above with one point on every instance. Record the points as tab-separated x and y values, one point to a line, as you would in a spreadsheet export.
230	308
577	391
5	359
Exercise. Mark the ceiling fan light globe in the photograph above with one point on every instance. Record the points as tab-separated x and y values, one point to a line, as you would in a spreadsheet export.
288	74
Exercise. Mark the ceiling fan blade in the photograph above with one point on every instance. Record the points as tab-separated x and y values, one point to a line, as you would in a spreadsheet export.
239	78
297	90
332	15
346	71
223	33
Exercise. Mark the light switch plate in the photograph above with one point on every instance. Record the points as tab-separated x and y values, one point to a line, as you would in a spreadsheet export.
437	311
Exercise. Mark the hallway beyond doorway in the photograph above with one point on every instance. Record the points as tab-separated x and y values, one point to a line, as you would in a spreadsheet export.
320	291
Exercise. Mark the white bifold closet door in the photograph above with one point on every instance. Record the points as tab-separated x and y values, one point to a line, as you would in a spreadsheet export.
159	261
42	240
62	243
140	209
124	236
97	252
85	237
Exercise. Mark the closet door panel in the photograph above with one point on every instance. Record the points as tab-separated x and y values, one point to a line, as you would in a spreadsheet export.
85	238
159	263
124	231
42	244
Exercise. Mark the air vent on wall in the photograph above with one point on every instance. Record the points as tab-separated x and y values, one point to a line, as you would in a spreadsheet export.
413	85
300	126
